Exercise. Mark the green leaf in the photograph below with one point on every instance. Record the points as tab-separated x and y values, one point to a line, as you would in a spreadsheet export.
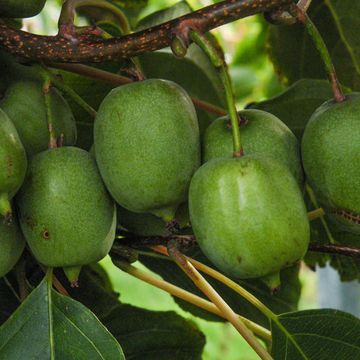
297	103
143	334
154	335
94	291
316	334
284	301
136	4
48	325
295	56
161	16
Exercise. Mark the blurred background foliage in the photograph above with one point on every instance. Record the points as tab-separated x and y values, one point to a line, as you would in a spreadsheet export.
254	79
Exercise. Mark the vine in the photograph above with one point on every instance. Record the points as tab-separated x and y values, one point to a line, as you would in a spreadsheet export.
87	49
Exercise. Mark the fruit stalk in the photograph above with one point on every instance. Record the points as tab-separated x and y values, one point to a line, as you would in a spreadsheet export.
226	281
187	296
314	201
335	249
315	214
318	40
67	15
68	90
59	49
117	79
49	114
304	4
216	57
216	299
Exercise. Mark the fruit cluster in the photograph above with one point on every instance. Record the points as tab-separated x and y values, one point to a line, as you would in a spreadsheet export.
144	172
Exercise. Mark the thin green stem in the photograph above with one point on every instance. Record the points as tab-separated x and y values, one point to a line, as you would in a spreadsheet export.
9	285
187	296
304	4
20	274
224	280
314	201
69	91
69	7
203	285
316	214
218	61
49	112
118	80
323	51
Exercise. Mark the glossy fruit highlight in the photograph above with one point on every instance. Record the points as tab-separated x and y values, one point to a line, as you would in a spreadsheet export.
248	216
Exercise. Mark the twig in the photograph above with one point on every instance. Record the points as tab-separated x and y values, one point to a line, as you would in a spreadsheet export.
216	299
69	91
217	59
318	40
116	79
20	273
336	249
67	15
49	113
188	297
224	280
8	283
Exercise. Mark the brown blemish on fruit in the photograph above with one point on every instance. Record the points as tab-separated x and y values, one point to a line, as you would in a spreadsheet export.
242	120
9	166
45	234
30	222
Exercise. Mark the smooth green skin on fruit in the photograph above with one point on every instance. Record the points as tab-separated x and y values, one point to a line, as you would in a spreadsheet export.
66	214
248	215
147	146
12	244
330	152
13	161
25	105
20	8
151	225
262	133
